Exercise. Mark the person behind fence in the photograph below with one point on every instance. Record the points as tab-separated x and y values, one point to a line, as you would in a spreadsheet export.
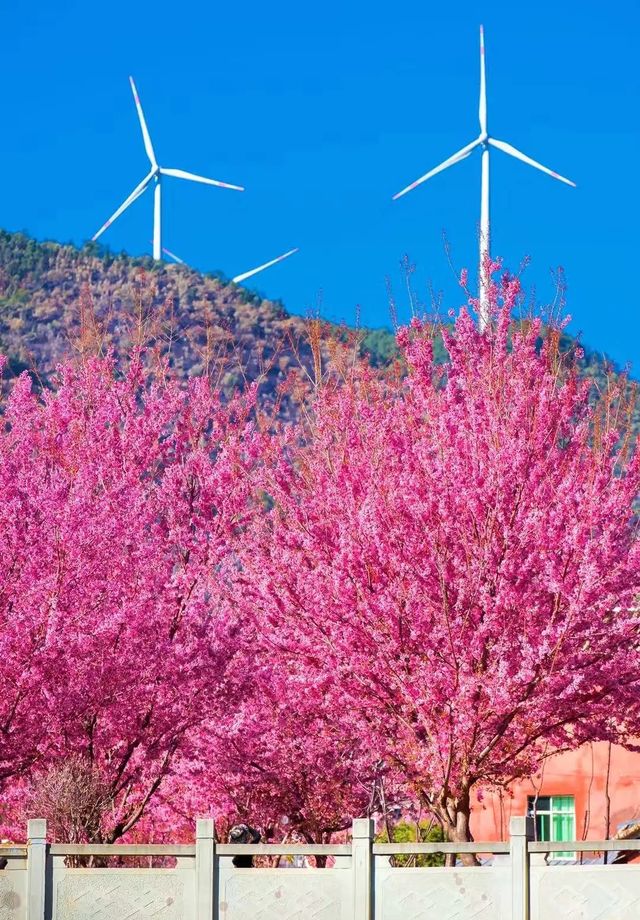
242	833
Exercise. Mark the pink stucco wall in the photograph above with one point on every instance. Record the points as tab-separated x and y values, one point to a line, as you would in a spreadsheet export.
581	773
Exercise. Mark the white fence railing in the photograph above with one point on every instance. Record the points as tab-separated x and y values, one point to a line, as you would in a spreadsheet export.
38	883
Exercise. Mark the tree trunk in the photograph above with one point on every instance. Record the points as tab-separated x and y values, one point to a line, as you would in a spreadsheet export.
607	810
455	813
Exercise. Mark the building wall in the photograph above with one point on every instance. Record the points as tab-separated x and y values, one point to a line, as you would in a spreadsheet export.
581	773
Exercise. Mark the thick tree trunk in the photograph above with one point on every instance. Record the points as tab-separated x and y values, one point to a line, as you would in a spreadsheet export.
455	814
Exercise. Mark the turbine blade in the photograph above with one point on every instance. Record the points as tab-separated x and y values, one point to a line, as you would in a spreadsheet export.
148	146
138	190
482	110
454	158
181	174
254	271
135	195
513	152
173	256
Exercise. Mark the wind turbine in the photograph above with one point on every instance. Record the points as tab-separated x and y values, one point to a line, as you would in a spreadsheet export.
244	275
484	141
155	176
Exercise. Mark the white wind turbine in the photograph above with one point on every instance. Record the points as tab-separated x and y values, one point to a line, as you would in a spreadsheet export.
244	275
484	141
155	176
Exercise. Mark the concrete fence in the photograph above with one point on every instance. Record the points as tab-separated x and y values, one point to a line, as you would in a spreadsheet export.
519	884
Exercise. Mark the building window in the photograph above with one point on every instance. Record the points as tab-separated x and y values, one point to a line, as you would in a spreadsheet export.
555	819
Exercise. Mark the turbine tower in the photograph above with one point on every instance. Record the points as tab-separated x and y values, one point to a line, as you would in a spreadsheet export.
484	141
155	176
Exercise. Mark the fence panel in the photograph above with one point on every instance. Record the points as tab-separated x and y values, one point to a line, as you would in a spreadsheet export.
285	894
585	892
290	893
442	894
13	883
107	894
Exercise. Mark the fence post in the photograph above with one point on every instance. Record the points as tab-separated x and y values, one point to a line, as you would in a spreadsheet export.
206	906
36	867
520	830
362	838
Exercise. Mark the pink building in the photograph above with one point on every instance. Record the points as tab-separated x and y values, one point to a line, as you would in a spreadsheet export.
587	794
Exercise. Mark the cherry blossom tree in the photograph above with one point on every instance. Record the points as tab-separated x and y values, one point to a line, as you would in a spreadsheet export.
121	490
454	556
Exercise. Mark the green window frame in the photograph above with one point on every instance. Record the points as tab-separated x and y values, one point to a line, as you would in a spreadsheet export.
555	819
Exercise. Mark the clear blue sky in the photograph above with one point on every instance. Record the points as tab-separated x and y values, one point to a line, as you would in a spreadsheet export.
323	111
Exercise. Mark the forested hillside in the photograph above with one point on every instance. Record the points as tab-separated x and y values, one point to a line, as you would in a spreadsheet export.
47	288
